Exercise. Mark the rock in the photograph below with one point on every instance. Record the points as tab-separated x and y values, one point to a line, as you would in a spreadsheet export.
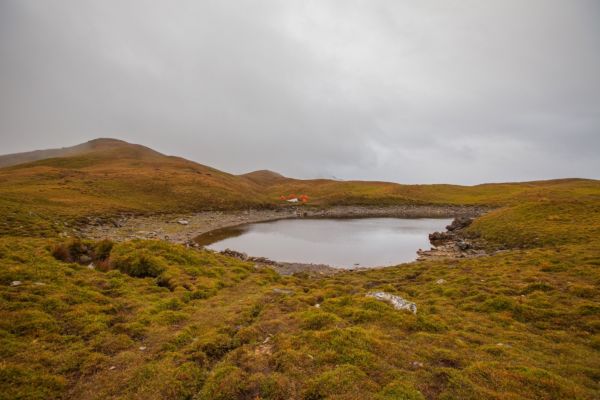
398	302
318	305
462	245
142	348
283	291
235	254
438	237
459	223
416	364
84	259
440	281
91	266
183	222
112	367
262	260
16	283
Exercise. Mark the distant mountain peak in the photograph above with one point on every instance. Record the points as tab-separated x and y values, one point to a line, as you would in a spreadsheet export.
107	141
98	144
264	176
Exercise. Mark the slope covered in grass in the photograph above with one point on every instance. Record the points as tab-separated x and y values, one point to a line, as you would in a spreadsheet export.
153	320
111	176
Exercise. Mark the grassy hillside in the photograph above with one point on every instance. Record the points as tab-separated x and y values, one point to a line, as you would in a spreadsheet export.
108	176
31	156
114	177
327	192
153	320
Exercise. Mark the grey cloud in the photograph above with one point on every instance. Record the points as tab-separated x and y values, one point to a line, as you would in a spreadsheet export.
428	91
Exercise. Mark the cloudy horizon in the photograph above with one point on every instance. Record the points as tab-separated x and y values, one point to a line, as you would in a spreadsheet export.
459	92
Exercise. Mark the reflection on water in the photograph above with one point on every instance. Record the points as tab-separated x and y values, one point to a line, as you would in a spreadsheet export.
343	243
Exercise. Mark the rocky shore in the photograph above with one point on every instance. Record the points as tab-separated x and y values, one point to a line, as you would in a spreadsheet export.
183	228
453	243
284	268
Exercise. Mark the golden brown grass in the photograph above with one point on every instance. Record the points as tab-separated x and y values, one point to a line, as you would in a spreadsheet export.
155	320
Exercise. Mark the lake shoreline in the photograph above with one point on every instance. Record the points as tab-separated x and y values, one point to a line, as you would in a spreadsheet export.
183	228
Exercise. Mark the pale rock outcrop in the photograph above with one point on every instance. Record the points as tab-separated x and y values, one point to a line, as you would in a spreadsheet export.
398	302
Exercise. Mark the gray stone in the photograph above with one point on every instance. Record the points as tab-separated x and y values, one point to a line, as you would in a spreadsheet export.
462	245
398	302
283	291
459	223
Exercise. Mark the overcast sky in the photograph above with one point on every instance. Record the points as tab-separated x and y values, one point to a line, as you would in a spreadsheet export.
464	91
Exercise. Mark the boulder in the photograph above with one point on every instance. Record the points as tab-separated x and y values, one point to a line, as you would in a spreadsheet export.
398	302
283	291
459	223
463	246
438	237
235	254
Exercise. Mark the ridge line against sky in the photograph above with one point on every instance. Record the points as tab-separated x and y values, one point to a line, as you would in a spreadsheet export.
413	92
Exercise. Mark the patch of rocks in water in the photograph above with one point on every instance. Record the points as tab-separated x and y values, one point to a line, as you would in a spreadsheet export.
245	257
452	243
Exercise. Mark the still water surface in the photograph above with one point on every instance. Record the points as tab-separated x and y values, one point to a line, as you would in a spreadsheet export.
343	243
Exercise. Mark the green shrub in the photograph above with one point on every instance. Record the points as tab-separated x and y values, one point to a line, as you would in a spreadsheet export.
218	346
315	320
498	304
538	286
139	265
399	390
224	383
343	380
102	249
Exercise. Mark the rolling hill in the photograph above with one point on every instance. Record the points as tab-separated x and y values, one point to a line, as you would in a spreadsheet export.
149	319
108	176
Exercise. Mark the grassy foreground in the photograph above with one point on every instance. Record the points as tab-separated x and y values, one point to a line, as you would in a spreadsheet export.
155	320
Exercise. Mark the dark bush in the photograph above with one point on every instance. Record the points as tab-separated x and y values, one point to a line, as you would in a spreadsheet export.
139	265
72	251
102	249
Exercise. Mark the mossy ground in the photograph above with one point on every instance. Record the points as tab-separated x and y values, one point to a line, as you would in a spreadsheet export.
157	320
153	320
